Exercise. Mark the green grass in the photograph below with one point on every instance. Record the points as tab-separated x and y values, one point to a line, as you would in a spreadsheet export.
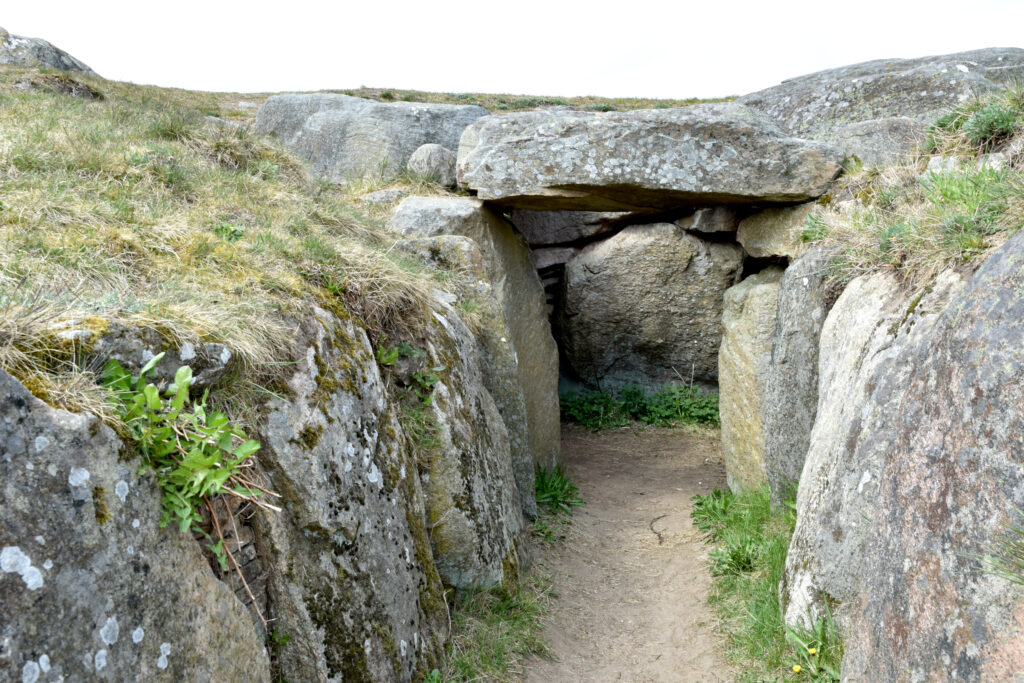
747	561
672	405
130	208
916	223
494	632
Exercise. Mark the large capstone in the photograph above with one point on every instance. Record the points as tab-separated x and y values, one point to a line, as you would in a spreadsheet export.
343	138
644	307
622	161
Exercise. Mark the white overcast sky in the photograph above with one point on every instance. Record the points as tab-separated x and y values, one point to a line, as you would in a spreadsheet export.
627	48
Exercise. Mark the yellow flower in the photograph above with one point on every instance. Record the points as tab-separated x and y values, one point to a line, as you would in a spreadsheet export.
796	668
812	650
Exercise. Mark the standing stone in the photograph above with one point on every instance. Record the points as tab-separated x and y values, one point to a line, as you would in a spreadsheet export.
648	159
950	482
344	138
516	285
748	321
774	232
351	567
92	588
477	304
790	386
36	52
644	307
435	162
864	336
473	502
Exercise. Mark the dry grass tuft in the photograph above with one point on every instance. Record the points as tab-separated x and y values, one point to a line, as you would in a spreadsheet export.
134	208
916	223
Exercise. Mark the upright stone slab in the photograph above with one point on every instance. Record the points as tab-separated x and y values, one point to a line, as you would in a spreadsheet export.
748	321
648	159
790	388
352	573
950	483
478	305
92	589
864	335
515	283
644	307
473	502
343	138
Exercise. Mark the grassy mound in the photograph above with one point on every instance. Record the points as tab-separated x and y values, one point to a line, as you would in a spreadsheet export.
917	222
126	203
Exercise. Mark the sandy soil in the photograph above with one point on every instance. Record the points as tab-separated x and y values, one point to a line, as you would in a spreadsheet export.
629	577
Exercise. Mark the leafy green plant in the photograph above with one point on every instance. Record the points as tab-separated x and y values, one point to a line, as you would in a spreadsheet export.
594	410
228	232
386	355
197	455
556	494
671	405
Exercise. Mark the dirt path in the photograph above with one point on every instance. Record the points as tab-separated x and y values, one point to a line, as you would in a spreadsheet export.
631	608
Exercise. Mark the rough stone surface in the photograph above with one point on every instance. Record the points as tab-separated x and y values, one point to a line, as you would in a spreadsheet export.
134	346
344	137
880	142
473	503
644	307
819	105
353	581
715	219
774	232
790	386
384	196
546	228
748	321
434	161
91	587
36	52
952	445
550	258
863	337
479	306
659	158
512	275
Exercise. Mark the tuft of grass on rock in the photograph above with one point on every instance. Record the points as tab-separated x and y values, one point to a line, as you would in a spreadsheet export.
915	222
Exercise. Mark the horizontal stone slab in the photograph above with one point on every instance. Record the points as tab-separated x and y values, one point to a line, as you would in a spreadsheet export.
648	159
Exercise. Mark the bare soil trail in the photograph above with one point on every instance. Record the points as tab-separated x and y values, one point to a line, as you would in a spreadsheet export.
630	578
